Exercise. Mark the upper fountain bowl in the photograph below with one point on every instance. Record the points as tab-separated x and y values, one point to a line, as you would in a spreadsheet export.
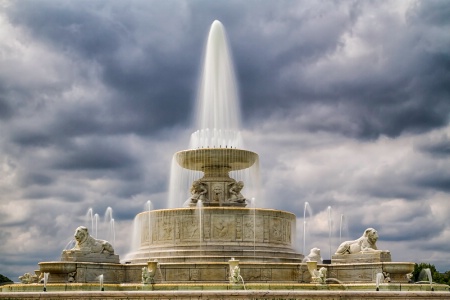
232	159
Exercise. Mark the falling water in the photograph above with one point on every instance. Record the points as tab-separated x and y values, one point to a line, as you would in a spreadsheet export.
96	225
218	115
100	279
330	226
425	275
112	229
90	219
109	221
136	235
70	245
45	281
340	227
378	280
148	209
308	209
253	207
199	207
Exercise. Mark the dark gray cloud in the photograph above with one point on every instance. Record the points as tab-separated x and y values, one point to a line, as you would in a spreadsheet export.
347	104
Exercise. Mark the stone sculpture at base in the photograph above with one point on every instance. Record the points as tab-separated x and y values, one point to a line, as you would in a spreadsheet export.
361	250
367	242
89	249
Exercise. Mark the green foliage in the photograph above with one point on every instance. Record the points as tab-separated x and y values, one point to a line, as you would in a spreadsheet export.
437	277
4	279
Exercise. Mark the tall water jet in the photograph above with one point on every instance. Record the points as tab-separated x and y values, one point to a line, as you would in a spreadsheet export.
217	113
330	226
216	148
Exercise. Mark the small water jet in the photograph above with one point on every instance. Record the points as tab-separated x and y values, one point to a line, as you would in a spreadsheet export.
100	279
379	278
96	225
235	273
340	227
109	222
308	209
45	280
425	276
317	276
149	272
90	219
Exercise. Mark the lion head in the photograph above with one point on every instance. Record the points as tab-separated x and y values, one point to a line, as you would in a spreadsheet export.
371	235
81	234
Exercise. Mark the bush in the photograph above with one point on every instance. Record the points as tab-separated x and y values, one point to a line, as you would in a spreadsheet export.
437	277
4	279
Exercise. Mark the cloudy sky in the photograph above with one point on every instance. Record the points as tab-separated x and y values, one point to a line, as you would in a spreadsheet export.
346	102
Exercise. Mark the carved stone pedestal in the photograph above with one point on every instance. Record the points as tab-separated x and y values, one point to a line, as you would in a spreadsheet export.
80	256
362	257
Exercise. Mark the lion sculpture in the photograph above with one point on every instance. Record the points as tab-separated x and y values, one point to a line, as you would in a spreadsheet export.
366	243
86	243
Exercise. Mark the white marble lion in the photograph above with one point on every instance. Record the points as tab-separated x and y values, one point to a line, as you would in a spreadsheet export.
366	243
86	243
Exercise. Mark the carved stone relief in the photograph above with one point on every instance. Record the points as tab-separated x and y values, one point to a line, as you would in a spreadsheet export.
190	228
223	227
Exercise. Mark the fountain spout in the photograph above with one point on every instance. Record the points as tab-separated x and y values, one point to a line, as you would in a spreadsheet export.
235	272
317	276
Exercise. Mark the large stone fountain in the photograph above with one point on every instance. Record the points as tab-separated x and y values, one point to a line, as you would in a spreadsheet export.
215	237
214	224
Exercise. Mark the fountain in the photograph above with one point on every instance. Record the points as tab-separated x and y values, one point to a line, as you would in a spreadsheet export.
216	211
218	237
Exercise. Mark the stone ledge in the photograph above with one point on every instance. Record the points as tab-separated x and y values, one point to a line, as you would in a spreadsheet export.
362	257
79	256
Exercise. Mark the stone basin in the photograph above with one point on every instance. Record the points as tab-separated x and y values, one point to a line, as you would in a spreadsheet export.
398	270
398	267
58	267
231	159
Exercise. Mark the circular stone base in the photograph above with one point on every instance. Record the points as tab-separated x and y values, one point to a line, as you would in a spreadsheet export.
215	234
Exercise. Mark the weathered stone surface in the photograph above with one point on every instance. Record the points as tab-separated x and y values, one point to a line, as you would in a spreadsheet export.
85	272
362	257
202	293
78	256
246	234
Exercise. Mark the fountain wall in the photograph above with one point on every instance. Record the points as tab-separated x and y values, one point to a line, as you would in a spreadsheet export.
216	234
